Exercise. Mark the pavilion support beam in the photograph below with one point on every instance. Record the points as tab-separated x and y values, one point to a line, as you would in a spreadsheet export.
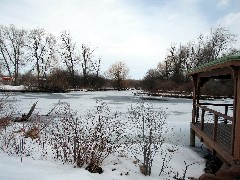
198	97
192	137
236	115
194	109
195	90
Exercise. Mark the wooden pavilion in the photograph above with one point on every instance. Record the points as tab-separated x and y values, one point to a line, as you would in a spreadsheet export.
219	131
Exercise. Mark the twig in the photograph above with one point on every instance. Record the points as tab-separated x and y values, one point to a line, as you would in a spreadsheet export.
53	108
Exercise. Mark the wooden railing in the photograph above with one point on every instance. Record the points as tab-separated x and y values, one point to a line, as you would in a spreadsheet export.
218	132
226	109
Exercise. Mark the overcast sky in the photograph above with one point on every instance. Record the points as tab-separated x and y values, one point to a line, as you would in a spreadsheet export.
138	32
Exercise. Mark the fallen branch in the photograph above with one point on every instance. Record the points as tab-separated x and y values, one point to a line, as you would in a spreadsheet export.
24	116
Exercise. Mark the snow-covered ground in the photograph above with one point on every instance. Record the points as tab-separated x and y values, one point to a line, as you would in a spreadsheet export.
115	166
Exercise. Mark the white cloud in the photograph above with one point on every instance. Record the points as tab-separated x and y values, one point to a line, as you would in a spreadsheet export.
232	19
138	34
223	3
232	22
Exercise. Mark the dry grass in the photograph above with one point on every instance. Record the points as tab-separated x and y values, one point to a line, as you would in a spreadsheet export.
33	133
4	122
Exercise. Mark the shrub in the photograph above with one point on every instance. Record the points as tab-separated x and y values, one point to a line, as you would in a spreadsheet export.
88	140
150	127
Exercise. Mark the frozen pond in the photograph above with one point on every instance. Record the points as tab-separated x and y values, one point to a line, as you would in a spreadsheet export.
178	109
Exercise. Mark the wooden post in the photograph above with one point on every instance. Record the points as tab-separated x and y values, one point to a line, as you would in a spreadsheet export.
197	99
202	119
215	127
192	132
192	137
194	98
236	115
226	111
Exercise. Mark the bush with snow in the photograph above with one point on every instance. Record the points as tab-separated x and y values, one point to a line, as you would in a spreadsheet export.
87	140
149	126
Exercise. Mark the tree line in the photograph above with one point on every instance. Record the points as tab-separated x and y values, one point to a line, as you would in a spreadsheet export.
171	74
36	57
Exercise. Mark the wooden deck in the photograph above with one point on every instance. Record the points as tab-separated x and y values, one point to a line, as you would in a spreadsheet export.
215	130
222	145
223	136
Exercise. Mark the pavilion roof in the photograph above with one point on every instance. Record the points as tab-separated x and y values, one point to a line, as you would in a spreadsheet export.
226	61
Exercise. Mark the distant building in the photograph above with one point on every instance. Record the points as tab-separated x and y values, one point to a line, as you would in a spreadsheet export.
7	80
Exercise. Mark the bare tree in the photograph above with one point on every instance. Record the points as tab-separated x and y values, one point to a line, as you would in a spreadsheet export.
118	73
42	52
12	44
207	48
152	80
213	46
5	57
88	64
69	55
96	67
176	60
